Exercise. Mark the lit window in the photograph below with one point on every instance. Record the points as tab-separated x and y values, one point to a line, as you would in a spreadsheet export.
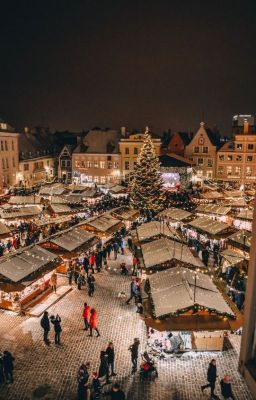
102	164
205	149
249	158
89	164
209	162
239	146
200	161
220	169
77	164
229	170
127	150
196	149
96	164
248	171
102	179
221	157
135	150
115	164
126	165
238	171
96	179
230	157
89	178
238	158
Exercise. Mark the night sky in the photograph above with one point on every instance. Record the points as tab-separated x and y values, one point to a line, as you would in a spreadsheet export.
79	64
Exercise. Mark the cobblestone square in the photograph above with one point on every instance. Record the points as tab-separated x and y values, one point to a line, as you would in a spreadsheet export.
49	372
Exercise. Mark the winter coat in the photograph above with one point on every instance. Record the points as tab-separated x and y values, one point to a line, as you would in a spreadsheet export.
45	323
111	354
93	320
56	324
54	279
226	390
119	395
8	361
134	349
212	373
104	368
87	311
92	259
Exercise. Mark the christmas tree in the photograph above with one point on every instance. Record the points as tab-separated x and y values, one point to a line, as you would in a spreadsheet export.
146	184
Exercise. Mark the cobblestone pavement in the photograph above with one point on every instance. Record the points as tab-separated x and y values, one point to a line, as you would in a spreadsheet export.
43	372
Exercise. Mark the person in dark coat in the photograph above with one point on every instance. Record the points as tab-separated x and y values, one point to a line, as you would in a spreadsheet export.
96	387
91	286
133	291
226	390
134	349
45	324
111	357
211	377
116	393
1	368
104	368
57	327
82	381
8	365
86	265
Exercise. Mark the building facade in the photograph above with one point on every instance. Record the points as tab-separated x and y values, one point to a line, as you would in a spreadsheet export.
96	158
9	154
36	170
65	164
178	143
202	151
130	147
236	160
247	361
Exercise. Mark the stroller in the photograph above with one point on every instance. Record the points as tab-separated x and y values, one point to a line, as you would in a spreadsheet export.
147	367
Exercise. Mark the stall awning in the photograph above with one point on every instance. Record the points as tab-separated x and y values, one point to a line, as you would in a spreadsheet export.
103	223
213	195
155	228
125	213
24	200
179	288
58	200
232	193
71	239
4	230
52	221
56	189
20	265
245	214
235	203
163	250
61	208
20	212
175	214
118	189
242	237
213	209
233	257
208	225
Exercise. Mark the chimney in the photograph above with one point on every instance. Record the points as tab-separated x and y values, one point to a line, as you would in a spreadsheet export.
123	131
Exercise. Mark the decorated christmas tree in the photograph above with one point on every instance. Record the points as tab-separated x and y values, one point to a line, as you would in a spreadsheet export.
146	184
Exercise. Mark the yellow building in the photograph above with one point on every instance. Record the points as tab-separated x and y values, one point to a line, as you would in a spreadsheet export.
236	160
130	148
202	151
35	170
9	155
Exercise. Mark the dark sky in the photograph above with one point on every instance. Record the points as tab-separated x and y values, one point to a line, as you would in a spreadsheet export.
78	64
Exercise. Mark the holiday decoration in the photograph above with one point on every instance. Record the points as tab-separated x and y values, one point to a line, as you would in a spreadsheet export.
146	184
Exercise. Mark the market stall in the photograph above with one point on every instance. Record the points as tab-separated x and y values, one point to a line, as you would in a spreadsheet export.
24	276
25	200
217	212
189	302
154	230
21	213
204	229
243	220
51	190
165	253
126	215
60	209
103	225
175	216
240	240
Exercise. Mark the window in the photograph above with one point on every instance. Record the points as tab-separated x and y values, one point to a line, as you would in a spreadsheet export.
230	157
126	150
199	173
237	171
12	145
48	163
83	164
220	170
102	179
89	178
13	162
135	150
63	163
126	165
77	164
209	162
196	149
3	163
249	158
221	157
7	163
102	164
239	146
2	145
115	164
89	164
200	161
229	170
205	149
248	171
250	146
26	167
238	158
6	145
96	164
96	179
109	164
68	163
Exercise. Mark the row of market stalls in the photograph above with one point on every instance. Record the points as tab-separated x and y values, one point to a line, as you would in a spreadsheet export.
25	274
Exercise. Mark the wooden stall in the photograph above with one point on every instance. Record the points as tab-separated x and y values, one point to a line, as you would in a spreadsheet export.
155	230
25	276
243	219
216	212
20	213
175	216
103	225
126	215
25	200
204	228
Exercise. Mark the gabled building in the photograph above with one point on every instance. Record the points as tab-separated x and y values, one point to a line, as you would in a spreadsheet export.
178	143
202	151
96	158
9	160
65	164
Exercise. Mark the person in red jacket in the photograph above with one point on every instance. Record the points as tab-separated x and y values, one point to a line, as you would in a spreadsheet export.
92	261
93	322
86	315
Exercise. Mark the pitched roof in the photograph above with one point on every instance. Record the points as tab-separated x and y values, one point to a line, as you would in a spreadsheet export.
172	161
179	288
176	214
98	141
25	200
72	238
213	209
208	225
151	229
20	212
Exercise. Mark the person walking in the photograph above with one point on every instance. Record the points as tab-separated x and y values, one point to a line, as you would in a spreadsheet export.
116	393
86	316
91	286
92	261
122	245
130	244
93	322
116	249
133	291
96	386
8	366
45	324
211	377
226	389
54	281
104	367
82	381
109	249
1	368
134	349
56	321
111	358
